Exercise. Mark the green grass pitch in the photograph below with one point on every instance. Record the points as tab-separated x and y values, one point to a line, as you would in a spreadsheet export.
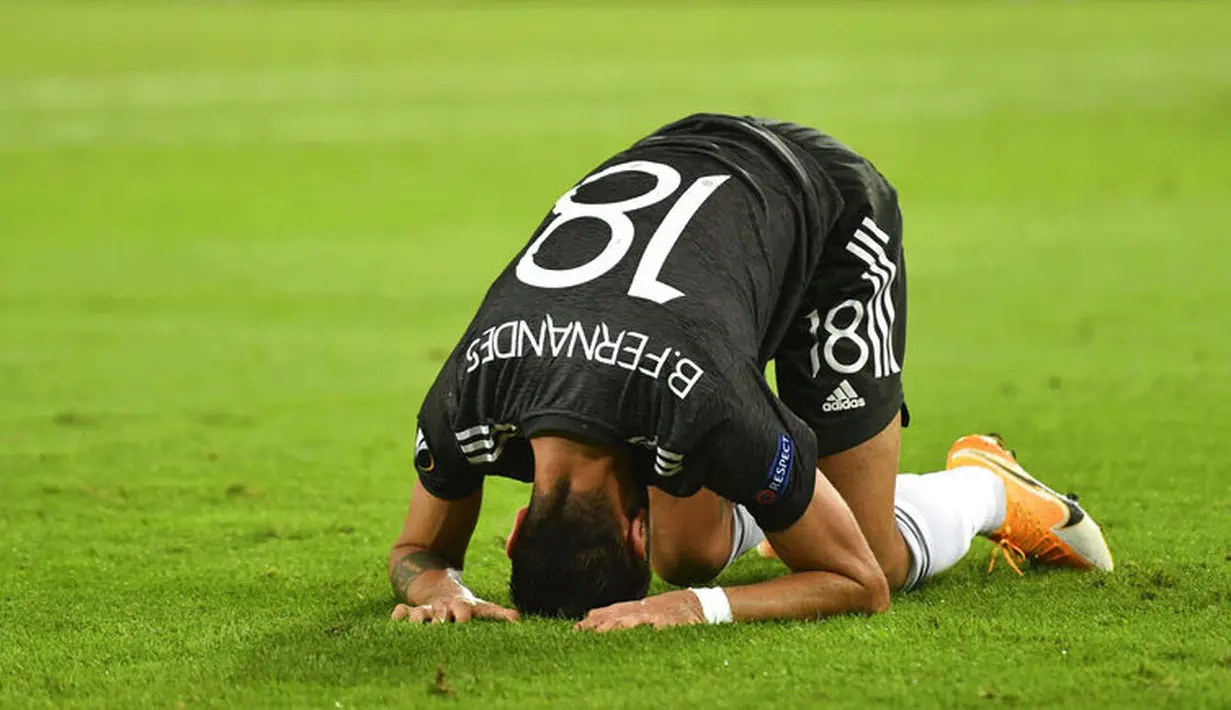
236	240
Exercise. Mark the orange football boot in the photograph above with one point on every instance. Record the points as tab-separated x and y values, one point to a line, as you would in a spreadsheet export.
1039	524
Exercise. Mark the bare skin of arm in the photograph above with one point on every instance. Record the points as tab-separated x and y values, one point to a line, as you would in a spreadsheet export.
434	539
834	572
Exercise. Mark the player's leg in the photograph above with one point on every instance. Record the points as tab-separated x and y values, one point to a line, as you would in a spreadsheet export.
840	370
985	491
865	475
917	526
1034	522
693	539
839	366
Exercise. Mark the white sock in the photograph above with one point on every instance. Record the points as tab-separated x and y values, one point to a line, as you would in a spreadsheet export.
939	514
745	533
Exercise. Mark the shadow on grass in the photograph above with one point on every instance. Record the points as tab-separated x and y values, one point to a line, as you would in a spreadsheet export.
350	642
356	643
359	645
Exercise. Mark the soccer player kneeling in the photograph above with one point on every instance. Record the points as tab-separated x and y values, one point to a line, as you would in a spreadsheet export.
617	364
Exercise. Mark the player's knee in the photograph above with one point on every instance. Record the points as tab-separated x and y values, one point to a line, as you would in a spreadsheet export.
878	600
688	563
686	573
894	562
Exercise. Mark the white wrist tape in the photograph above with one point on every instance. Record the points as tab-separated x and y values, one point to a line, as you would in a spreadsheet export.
456	575
714	604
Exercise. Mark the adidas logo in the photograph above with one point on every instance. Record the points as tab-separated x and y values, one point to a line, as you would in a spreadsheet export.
843	397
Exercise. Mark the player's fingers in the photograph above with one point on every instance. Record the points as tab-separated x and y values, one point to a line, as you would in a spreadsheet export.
597	615
614	611
420	614
487	610
441	613
612	625
604	618
609	622
400	612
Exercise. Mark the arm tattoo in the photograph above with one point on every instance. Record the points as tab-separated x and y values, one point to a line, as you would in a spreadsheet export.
410	567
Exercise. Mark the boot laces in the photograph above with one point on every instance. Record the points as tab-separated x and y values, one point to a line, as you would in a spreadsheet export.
1034	542
1008	551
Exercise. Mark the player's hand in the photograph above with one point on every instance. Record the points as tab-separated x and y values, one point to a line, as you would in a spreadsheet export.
678	608
454	610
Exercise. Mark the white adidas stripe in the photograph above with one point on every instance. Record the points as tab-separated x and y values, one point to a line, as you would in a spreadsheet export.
875	276
668	455
880	234
484	443
486	451
478	445
881	274
847	389
488	457
482	430
667	463
886	300
879	314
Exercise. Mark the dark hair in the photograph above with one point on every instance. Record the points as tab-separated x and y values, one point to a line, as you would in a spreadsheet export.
570	557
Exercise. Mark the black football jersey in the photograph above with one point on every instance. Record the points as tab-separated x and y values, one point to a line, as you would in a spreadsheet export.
641	314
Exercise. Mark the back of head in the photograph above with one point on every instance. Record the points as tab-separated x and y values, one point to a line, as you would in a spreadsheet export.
571	556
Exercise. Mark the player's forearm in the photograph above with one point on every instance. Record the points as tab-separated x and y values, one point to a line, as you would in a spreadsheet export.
417	574
808	595
433	540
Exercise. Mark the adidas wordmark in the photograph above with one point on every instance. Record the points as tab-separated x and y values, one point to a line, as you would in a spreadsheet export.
843	398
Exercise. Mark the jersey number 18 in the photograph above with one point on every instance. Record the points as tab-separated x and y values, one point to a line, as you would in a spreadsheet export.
645	282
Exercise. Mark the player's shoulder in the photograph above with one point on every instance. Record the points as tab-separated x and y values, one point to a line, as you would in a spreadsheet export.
719	129
817	142
746	405
851	171
756	452
730	394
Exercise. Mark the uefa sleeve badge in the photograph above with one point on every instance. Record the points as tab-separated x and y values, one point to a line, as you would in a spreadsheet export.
779	476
